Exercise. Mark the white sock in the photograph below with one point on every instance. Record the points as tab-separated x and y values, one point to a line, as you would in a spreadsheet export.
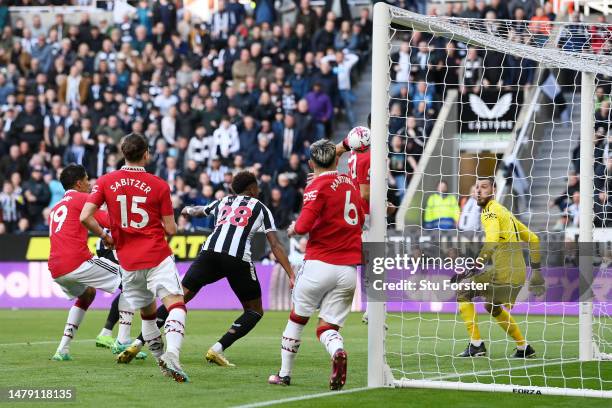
523	347
332	341
217	347
476	343
126	314
152	337
75	317
105	332
290	344
175	330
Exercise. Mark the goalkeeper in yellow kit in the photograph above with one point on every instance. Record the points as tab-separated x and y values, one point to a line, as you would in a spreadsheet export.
505	272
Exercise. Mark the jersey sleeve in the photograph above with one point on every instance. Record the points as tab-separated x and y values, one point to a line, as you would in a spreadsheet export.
166	201
210	208
532	239
97	193
313	204
268	220
490	225
102	218
363	171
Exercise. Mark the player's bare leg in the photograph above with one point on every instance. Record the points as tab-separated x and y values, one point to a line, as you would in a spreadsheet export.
75	317
331	339
290	345
175	332
253	312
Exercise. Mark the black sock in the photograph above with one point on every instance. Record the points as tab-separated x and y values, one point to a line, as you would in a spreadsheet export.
113	314
162	315
240	328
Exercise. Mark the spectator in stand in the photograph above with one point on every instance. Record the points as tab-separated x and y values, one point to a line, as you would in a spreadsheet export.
469	220
442	210
600	34
344	63
225	140
289	194
540	27
279	211
29	125
563	201
573	210
603	176
263	155
471	72
321	109
600	97
37	196
471	10
12	206
324	38
243	68
602	211
423	93
603	116
549	11
528	7
500	8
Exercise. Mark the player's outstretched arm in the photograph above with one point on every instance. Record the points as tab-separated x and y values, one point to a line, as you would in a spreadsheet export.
537	285
88	219
194	211
169	224
281	256
342	148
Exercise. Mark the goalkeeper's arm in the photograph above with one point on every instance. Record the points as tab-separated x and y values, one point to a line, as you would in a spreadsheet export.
536	282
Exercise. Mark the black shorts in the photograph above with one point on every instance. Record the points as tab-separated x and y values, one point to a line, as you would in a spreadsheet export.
211	266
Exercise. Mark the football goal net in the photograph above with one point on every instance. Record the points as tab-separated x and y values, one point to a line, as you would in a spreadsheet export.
523	103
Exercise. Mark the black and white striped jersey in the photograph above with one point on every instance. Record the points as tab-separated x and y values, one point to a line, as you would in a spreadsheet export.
237	218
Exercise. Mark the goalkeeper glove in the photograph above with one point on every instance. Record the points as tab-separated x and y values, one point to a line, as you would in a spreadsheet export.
536	283
458	277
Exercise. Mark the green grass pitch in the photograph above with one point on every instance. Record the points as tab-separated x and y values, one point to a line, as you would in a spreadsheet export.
29	338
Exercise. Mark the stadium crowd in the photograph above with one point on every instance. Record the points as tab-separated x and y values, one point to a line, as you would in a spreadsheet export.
244	90
425	68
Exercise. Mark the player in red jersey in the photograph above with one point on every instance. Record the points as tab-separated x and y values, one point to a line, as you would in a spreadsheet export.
332	215
359	168
72	265
141	215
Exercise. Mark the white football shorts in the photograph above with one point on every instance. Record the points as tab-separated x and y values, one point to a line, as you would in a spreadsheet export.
329	288
143	286
99	273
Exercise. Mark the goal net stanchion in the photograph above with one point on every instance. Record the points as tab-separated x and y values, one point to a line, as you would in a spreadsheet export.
415	344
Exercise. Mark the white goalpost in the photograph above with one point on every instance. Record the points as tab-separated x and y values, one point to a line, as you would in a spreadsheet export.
455	99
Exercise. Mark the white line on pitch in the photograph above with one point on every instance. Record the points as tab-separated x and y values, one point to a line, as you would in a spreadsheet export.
499	370
301	398
37	343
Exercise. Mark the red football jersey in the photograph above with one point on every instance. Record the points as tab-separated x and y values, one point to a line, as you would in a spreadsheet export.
136	202
333	216
68	236
359	168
